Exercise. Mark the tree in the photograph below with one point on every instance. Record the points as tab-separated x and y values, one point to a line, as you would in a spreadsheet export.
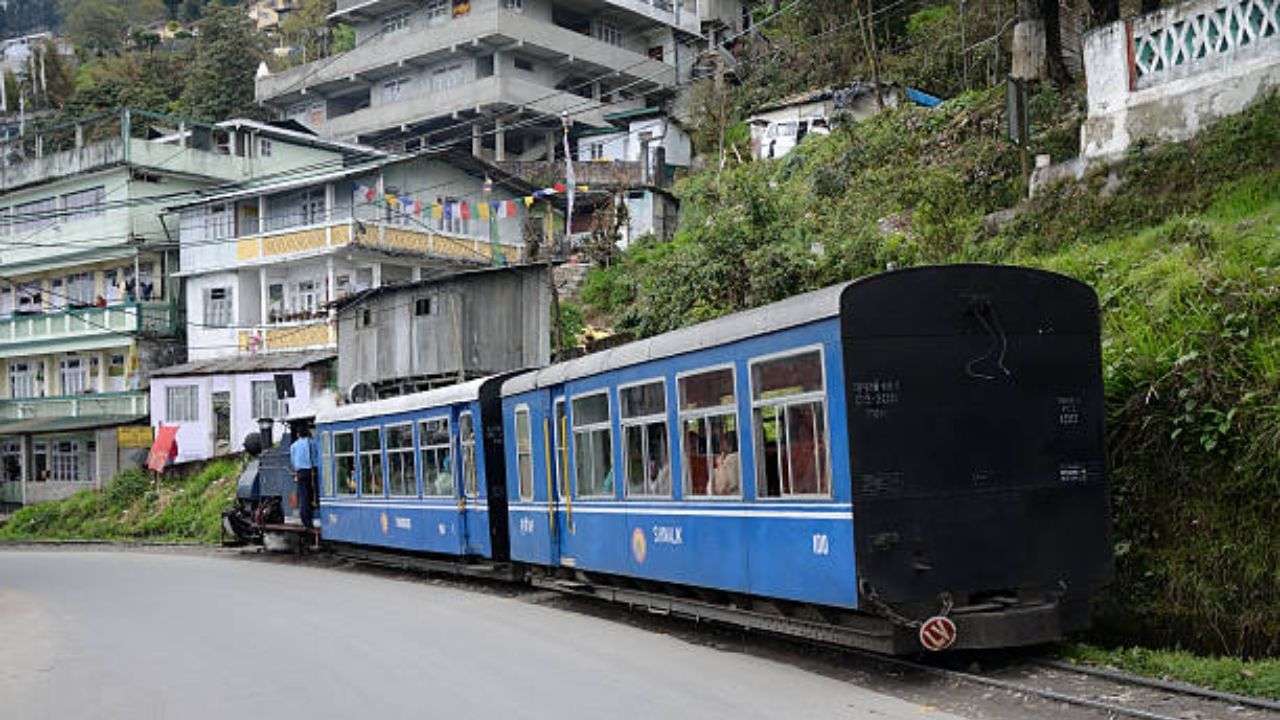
220	81
97	26
308	26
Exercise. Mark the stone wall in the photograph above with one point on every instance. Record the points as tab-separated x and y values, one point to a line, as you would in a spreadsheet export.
1165	75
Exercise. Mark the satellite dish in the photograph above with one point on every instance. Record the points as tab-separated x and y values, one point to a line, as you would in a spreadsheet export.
361	392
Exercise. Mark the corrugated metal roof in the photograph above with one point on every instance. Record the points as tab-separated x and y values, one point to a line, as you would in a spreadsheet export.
792	312
267	362
67	424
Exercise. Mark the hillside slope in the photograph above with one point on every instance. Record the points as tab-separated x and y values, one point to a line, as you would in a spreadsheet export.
1182	244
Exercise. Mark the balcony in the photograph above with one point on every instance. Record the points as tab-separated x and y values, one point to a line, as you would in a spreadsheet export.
488	94
289	337
392	54
83	328
118	404
295	242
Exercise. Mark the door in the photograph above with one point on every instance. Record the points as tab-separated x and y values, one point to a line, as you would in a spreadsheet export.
221	422
469	480
560	498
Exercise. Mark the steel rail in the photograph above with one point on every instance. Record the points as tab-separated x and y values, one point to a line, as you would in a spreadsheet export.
1159	684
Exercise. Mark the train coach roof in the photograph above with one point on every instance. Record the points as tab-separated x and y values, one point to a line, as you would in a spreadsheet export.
794	311
440	397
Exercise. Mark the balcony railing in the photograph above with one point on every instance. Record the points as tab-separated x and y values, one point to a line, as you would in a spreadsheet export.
1190	37
289	336
66	406
156	318
391	236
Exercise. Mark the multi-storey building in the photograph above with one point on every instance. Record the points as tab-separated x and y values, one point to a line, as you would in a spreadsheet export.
500	72
264	267
88	307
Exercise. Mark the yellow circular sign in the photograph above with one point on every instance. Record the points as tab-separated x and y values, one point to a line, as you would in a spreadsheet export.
385	525
638	548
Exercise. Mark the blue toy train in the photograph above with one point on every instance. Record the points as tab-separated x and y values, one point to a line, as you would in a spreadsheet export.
913	458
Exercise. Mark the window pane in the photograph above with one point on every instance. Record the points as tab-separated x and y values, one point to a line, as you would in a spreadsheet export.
709	389
344	463
402	480
524	454
642	400
791	375
697	459
772	476
593	451
467	439
805	446
590	410
726	474
633	459
562	448
437	468
371	481
326	464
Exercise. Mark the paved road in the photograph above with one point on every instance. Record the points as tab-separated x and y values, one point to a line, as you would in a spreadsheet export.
133	635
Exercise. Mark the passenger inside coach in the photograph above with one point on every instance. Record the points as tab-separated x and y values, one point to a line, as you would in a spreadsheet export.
695	463
727	478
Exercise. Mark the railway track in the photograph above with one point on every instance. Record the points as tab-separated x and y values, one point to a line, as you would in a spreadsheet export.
1115	693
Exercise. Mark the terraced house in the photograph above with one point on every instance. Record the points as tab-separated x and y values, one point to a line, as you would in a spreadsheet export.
264	267
499	71
88	304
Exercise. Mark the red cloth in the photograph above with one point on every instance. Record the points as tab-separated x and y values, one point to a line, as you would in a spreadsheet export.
165	448
466	211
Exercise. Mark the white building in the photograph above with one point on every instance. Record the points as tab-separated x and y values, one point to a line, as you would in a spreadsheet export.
264	267
502	71
778	127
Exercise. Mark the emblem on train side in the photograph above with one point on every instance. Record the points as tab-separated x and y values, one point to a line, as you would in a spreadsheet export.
638	547
385	525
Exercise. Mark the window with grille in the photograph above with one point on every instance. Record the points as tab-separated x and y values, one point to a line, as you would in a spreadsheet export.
74	375
35	216
371	482
399	21
217	307
265	404
80	289
436	456
344	463
645	445
180	402
592	446
22	379
66	461
85	203
709	433
789	416
524	453
402	473
607	32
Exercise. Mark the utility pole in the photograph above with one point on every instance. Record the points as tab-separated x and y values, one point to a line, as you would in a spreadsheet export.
869	42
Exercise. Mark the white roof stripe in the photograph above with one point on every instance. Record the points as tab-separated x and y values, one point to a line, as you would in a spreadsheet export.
440	397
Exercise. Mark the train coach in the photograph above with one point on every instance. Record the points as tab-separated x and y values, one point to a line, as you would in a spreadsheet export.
910	458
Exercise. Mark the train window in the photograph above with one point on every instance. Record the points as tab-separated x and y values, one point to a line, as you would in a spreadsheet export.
524	453
467	442
402	477
562	447
789	417
371	462
436	457
709	434
326	463
344	463
593	446
646	458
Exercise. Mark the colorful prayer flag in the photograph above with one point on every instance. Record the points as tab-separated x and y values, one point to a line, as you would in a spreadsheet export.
484	211
437	211
417	207
511	208
559	187
465	209
528	200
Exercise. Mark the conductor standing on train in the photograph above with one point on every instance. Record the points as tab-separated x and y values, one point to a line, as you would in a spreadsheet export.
304	454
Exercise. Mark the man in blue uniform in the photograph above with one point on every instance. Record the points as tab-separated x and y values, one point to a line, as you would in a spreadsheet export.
304	455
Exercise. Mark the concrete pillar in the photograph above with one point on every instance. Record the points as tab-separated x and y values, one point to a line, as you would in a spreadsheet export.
26	462
331	288
263	299
476	144
102	372
377	274
499	140
551	145
595	90
497	63
417	273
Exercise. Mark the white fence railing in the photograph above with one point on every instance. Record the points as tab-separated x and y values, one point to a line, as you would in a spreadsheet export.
1181	40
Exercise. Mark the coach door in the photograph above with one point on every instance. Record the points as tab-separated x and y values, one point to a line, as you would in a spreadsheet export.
469	479
560	498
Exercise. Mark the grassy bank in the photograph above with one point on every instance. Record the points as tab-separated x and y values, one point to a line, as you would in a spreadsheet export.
133	507
1257	678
